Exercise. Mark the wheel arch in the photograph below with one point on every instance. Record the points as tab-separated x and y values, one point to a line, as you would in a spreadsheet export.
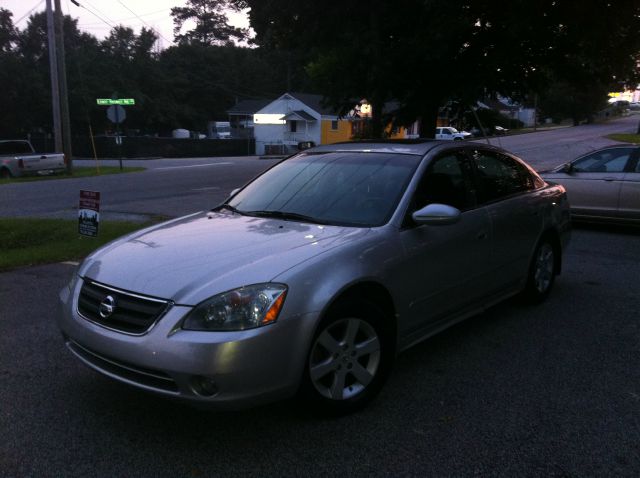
5	172
369	291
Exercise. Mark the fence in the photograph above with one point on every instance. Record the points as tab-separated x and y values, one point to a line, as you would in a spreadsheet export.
150	147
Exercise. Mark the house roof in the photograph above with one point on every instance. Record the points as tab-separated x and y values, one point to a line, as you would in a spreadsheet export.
299	115
497	105
315	102
248	107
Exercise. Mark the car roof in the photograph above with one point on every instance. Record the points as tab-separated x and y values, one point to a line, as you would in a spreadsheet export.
419	146
401	146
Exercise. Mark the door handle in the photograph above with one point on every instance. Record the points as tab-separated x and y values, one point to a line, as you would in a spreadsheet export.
609	179
481	235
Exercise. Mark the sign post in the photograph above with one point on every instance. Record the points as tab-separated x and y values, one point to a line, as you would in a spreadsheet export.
89	213
116	114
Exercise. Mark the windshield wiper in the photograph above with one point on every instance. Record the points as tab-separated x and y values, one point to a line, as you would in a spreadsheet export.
228	207
287	216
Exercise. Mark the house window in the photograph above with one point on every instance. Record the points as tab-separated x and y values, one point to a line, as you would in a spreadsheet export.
293	126
334	125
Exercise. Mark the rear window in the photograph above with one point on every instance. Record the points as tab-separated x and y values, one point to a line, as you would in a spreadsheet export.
15	147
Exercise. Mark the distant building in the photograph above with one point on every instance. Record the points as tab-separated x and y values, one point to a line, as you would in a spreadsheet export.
294	118
511	110
241	117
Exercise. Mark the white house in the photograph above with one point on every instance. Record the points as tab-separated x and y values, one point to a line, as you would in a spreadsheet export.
291	119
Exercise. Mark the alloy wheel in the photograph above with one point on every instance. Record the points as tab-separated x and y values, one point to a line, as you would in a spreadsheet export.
544	268
344	359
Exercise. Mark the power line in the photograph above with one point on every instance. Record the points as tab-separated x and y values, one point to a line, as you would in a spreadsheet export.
111	25
138	17
29	12
127	19
111	22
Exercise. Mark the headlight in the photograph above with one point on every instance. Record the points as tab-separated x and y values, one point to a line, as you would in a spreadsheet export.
238	309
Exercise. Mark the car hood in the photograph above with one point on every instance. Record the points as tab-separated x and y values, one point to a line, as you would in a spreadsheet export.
190	259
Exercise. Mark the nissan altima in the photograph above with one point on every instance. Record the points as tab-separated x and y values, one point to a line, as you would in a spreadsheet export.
603	185
311	278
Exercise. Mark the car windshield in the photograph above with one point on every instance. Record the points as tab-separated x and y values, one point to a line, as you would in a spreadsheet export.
345	188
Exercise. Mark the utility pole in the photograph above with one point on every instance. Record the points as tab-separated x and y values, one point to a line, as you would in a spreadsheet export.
62	82
55	89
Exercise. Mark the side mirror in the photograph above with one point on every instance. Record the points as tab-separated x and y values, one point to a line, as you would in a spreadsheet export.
567	168
437	215
234	192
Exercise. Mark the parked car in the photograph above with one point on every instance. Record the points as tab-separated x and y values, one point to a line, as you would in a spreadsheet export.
312	277
18	158
603	185
488	131
451	134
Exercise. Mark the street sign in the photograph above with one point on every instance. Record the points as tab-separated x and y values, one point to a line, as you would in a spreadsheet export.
119	101
89	213
116	114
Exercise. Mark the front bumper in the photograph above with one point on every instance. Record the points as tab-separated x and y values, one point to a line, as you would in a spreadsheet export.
217	369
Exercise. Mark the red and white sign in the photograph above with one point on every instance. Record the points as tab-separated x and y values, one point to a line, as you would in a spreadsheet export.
89	213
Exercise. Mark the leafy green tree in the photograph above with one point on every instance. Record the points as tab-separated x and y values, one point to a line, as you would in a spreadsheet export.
424	53
10	68
211	22
8	32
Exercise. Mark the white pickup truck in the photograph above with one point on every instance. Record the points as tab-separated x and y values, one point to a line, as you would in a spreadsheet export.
18	158
450	133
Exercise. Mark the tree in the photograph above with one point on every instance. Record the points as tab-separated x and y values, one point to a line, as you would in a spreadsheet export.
211	22
423	53
8	32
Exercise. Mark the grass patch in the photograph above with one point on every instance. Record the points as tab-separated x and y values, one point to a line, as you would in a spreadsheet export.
624	138
30	241
78	172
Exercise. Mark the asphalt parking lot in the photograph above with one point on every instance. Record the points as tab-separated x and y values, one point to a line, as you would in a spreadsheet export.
552	390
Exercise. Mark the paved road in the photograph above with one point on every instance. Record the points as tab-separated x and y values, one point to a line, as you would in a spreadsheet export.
175	187
549	391
168	188
552	147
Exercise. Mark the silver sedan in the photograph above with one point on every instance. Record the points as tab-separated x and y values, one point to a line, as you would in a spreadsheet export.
603	185
315	275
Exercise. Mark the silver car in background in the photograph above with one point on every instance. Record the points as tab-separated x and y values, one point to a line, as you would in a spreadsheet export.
312	277
603	185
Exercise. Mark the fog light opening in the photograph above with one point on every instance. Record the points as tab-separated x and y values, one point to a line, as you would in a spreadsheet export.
204	386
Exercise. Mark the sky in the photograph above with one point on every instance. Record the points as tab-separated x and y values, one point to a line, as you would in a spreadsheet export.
99	16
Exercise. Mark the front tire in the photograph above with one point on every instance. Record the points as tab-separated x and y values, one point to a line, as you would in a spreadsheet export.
350	358
542	272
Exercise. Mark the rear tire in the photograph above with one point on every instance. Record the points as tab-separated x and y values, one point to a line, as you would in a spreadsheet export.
542	272
350	359
5	173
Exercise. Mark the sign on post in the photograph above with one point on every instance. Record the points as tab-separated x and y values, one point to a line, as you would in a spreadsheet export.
116	114
114	101
89	213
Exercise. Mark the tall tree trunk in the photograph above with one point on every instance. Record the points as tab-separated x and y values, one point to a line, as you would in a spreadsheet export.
429	119
377	127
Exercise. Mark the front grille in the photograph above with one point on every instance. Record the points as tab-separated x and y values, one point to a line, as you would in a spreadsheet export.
133	374
119	310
